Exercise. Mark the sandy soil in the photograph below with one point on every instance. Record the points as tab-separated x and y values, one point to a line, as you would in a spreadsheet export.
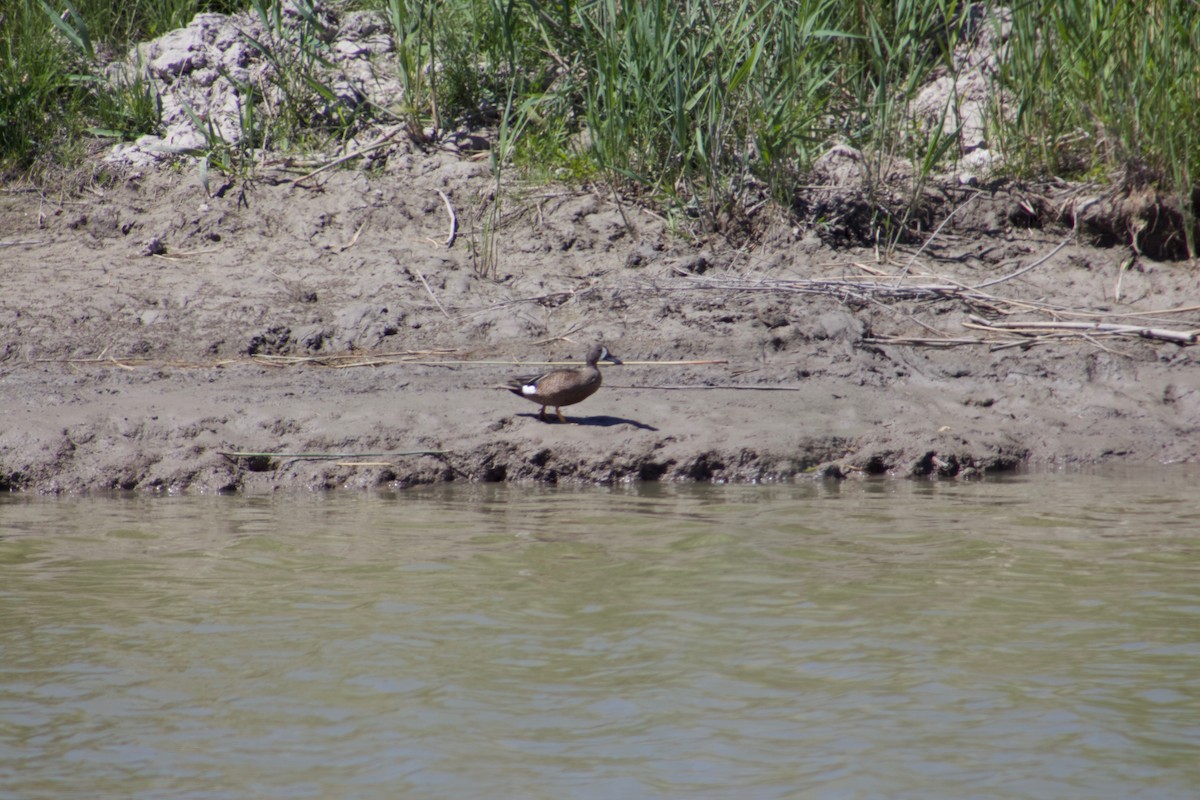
145	326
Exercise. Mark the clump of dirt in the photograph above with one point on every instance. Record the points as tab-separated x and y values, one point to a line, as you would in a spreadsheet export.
1143	218
223	76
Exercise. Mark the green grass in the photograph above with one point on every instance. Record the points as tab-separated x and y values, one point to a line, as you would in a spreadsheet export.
702	105
1107	89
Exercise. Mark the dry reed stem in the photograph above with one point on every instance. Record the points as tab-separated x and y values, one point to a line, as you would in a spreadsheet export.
345	360
234	454
1027	268
736	387
353	239
1161	334
425	283
918	341
375	145
453	234
929	240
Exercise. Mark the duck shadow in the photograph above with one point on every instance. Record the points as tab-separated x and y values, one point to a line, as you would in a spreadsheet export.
601	421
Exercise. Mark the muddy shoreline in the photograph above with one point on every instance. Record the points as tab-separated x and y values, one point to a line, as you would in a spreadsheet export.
150	327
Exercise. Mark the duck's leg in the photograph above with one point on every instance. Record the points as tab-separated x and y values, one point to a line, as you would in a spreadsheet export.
542	415
558	411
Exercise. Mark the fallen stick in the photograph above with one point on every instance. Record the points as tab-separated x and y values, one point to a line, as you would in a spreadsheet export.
1026	344
328	456
363	354
364	464
453	220
929	240
562	337
353	239
1160	312
342	360
1162	334
375	360
697	387
1050	308
923	342
825	286
695	363
1040	333
375	145
428	289
1025	269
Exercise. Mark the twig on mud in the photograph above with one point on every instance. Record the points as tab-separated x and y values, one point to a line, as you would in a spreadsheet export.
692	363
235	455
133	363
1124	265
1032	340
251	454
869	269
1160	312
929	239
1025	269
726	386
562	337
425	283
1092	341
562	297
375	145
514	363
100	359
917	341
24	242
653	215
353	239
366	360
450	237
343	360
1161	334
838	287
1024	344
621	209
182	254
1055	310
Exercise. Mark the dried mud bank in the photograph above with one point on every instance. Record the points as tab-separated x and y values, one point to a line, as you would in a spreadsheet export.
148	328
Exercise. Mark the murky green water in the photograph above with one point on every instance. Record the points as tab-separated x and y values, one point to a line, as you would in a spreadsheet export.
1036	637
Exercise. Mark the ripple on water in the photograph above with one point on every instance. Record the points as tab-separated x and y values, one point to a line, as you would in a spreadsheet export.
1036	636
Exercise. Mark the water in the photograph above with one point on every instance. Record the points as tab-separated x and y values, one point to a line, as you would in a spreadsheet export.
1032	637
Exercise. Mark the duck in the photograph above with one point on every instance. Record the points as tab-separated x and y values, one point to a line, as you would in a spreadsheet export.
563	387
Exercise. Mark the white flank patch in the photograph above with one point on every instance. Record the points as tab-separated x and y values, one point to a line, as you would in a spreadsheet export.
529	388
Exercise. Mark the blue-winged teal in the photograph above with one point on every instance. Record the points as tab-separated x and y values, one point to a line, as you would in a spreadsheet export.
563	387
